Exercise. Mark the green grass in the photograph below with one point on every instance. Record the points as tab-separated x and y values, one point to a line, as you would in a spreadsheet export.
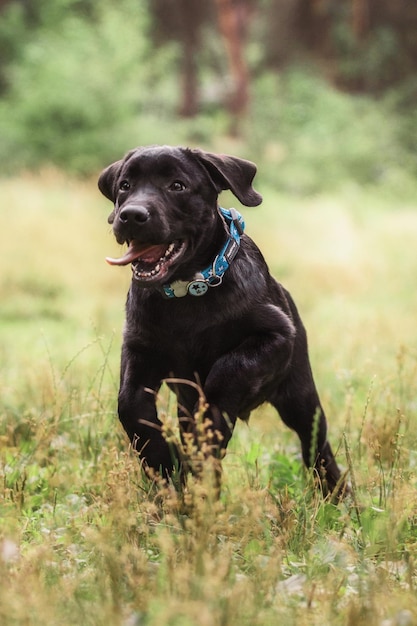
85	539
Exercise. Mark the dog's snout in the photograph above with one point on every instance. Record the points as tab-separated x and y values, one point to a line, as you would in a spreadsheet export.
134	214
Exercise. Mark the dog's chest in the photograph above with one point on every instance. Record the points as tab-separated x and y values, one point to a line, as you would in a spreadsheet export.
185	332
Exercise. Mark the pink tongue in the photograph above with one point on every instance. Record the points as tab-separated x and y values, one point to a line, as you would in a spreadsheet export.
137	250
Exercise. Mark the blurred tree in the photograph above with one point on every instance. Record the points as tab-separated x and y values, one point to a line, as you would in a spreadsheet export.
363	45
182	21
190	36
280	25
360	18
234	17
62	62
367	45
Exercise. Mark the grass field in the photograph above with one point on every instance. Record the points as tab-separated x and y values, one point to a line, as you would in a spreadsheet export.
85	539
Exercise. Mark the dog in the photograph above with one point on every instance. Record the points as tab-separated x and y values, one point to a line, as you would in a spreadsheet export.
203	307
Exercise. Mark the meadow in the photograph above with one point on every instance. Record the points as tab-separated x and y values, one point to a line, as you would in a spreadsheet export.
86	539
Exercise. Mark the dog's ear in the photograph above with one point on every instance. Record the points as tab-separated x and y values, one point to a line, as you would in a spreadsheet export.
107	179
228	172
106	183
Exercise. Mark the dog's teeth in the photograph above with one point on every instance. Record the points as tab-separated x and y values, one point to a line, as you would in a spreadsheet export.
141	272
169	250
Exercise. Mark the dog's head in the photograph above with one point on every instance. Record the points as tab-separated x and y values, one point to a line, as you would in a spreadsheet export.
165	204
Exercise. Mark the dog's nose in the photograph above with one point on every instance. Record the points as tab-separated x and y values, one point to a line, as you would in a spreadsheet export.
134	214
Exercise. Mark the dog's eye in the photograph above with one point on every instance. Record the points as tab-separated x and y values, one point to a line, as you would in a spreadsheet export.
124	185
177	185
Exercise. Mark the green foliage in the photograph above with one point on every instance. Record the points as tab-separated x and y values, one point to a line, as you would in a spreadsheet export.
12	32
314	137
82	90
372	64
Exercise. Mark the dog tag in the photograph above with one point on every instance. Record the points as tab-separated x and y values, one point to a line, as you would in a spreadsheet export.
179	288
197	288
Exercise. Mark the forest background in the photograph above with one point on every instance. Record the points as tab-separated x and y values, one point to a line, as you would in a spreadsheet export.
80	81
322	95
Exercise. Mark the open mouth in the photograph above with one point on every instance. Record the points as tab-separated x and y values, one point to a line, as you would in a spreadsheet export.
150	262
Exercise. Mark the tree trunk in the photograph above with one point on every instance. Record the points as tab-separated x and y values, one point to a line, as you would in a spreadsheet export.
360	18
190	34
233	17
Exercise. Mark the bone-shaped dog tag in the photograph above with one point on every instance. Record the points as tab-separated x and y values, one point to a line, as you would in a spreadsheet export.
179	288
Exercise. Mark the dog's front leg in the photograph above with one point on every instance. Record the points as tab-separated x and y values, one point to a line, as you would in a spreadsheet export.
138	415
239	380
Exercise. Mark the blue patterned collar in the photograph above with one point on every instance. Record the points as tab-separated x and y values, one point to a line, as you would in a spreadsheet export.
212	276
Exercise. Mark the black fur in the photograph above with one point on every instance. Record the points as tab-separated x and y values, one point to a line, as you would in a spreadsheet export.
243	341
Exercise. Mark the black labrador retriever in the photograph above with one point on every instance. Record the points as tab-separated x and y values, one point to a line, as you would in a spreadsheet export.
203	307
